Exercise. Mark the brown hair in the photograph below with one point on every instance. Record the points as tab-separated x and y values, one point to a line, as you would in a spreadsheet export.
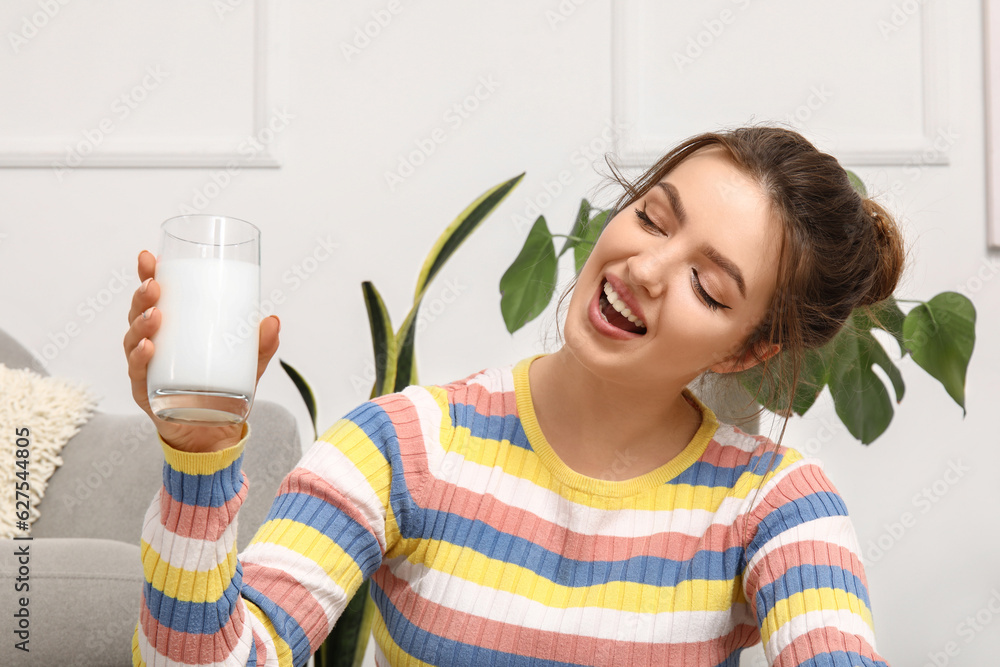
839	251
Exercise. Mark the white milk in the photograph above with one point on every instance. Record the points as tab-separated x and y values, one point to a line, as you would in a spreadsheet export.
208	337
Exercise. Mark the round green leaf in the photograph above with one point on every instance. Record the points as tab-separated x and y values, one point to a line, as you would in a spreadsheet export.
527	286
940	335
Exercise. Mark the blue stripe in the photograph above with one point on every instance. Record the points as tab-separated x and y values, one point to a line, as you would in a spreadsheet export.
314	512
842	659
703	473
808	577
252	662
212	490
436	650
205	618
373	420
492	427
285	626
653	570
794	513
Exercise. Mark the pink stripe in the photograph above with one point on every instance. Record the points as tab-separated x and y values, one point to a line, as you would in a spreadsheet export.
485	402
548	645
800	482
286	591
821	640
189	647
197	522
307	482
258	642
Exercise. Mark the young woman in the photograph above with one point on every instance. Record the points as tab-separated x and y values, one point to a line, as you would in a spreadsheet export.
576	508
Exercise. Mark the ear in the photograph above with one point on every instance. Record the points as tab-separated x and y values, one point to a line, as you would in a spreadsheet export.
732	364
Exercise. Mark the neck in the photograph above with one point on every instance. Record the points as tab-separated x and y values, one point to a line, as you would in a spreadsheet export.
592	421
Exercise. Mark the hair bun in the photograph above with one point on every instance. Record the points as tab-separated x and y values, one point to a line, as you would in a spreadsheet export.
889	267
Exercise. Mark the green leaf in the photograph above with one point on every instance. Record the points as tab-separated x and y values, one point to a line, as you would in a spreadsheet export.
860	397
459	230
406	362
884	315
857	183
940	335
527	286
383	339
342	643
772	390
581	223
305	392
581	251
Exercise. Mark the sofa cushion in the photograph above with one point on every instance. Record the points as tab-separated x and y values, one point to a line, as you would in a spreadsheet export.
84	598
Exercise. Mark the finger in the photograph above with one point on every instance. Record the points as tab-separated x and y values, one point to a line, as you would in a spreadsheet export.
138	361
144	326
149	291
269	328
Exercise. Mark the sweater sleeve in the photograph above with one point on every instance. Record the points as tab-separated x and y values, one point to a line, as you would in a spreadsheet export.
328	529
804	579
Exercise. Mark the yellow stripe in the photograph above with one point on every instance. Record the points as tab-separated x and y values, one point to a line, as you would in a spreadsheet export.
465	563
185	585
351	439
813	599
312	544
136	655
394	654
281	647
204	463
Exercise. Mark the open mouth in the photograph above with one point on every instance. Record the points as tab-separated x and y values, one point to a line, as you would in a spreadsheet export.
622	319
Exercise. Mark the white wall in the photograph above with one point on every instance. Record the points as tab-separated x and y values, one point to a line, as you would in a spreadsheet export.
66	236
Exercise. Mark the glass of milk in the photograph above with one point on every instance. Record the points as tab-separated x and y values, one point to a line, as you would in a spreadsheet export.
204	364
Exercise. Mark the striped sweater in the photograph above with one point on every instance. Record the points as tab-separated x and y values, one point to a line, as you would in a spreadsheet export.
484	548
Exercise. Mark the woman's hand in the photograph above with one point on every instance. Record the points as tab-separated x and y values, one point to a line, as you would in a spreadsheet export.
144	320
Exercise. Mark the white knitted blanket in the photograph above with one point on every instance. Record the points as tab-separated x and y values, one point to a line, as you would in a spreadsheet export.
52	410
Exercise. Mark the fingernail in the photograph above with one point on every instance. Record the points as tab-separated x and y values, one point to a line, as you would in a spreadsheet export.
142	344
279	323
144	285
146	313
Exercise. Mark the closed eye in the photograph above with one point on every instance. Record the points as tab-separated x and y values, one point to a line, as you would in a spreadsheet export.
709	301
646	221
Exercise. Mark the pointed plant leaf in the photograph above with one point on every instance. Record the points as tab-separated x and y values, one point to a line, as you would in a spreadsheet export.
527	286
459	230
857	183
940	335
581	222
383	339
406	362
304	391
590	232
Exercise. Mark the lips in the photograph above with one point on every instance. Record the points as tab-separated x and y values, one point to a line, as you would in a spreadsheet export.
604	326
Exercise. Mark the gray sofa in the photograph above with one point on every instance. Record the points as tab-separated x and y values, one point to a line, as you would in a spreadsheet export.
85	571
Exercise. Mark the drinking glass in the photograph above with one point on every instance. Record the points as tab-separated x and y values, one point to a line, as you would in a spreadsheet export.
204	364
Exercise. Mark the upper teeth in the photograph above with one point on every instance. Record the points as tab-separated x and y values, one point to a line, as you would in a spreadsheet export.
620	306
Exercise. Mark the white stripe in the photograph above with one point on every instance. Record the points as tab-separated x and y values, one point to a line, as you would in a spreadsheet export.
186	553
380	659
833	530
270	650
453	468
239	656
456	593
340	472
330	596
843	620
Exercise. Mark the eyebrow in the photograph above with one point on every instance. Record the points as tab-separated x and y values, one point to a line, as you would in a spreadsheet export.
717	258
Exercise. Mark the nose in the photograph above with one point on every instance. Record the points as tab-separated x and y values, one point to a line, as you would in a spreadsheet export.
648	269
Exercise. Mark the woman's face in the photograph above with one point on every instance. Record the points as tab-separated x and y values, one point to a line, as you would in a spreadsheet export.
703	236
